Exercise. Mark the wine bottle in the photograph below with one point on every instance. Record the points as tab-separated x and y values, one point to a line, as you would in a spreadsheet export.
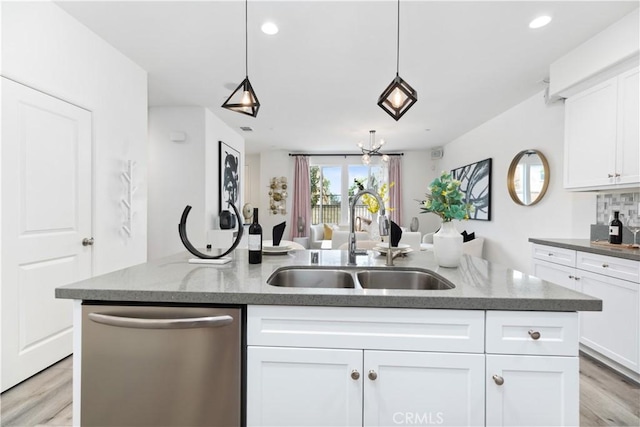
255	240
615	229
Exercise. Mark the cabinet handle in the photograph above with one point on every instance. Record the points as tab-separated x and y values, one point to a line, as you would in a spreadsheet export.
605	265
617	175
498	379
534	334
372	375
571	276
87	241
609	175
355	374
549	254
576	278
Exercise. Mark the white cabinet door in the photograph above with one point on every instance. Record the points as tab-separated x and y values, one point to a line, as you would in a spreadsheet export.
415	388
628	148
555	273
614	331
303	387
532	391
590	136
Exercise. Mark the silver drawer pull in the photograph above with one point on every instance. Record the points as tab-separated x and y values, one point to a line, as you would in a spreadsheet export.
372	375
534	334
142	323
355	374
549	254
498	379
609	175
571	276
605	265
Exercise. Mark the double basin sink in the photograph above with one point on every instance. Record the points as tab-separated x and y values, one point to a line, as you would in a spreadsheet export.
345	277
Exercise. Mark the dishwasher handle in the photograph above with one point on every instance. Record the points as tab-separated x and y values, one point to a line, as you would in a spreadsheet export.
180	323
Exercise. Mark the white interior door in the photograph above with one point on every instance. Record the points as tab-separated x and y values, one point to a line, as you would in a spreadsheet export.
46	214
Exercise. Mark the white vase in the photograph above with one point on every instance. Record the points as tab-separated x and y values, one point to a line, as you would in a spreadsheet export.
374	229
447	245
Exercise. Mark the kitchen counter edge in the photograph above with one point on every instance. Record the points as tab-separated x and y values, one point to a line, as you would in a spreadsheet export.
585	245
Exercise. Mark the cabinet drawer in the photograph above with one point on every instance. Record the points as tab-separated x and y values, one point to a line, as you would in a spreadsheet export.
620	268
555	255
536	333
366	328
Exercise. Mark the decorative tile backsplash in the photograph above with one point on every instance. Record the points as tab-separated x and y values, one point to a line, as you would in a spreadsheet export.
626	203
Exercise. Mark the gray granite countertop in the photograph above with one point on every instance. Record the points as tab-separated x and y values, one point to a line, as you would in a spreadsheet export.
479	285
585	245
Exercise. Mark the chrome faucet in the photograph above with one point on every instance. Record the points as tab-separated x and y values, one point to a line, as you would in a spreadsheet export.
383	224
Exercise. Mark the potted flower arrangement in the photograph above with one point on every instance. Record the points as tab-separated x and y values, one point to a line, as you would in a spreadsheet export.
447	201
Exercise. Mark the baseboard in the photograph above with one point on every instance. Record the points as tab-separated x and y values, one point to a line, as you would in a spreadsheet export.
612	364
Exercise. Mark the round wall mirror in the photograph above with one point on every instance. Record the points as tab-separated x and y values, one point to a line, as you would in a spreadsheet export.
528	177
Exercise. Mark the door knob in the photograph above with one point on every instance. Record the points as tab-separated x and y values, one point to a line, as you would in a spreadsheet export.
498	379
355	374
372	375
87	242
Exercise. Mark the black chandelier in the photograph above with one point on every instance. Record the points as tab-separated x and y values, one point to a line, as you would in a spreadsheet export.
243	99
399	96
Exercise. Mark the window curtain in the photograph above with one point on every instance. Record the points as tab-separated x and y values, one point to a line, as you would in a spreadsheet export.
395	193
301	211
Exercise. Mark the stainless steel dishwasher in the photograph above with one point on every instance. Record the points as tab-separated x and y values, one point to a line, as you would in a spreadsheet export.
161	366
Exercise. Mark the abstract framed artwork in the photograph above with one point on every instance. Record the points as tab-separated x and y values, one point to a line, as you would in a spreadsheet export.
475	183
229	176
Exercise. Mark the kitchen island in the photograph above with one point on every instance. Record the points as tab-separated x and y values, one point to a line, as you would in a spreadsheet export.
500	348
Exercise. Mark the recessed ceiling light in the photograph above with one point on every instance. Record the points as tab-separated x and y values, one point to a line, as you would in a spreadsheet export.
269	28
540	21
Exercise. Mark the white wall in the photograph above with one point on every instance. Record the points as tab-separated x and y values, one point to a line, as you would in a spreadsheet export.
184	173
252	179
45	48
560	214
176	178
418	170
272	164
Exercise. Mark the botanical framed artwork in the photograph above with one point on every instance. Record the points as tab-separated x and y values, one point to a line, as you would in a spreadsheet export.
475	183
229	176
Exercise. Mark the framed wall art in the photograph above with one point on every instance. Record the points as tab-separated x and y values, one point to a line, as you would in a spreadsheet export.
475	182
229	159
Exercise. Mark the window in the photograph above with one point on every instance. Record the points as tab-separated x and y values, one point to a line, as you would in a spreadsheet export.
334	181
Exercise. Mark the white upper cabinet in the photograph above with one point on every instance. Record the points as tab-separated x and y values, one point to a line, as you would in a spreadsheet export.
628	147
601	135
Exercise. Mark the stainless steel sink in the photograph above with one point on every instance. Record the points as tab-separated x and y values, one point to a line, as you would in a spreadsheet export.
298	277
402	279
376	278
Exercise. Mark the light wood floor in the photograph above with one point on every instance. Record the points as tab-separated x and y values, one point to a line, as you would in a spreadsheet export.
606	398
42	400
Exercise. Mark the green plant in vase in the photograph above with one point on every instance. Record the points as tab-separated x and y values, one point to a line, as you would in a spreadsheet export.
447	201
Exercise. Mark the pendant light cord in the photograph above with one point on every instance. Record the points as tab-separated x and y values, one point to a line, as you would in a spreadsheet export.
398	43
246	38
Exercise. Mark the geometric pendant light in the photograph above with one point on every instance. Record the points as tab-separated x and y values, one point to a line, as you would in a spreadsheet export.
399	96
243	99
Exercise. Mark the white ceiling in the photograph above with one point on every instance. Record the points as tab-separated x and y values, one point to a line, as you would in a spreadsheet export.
319	78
